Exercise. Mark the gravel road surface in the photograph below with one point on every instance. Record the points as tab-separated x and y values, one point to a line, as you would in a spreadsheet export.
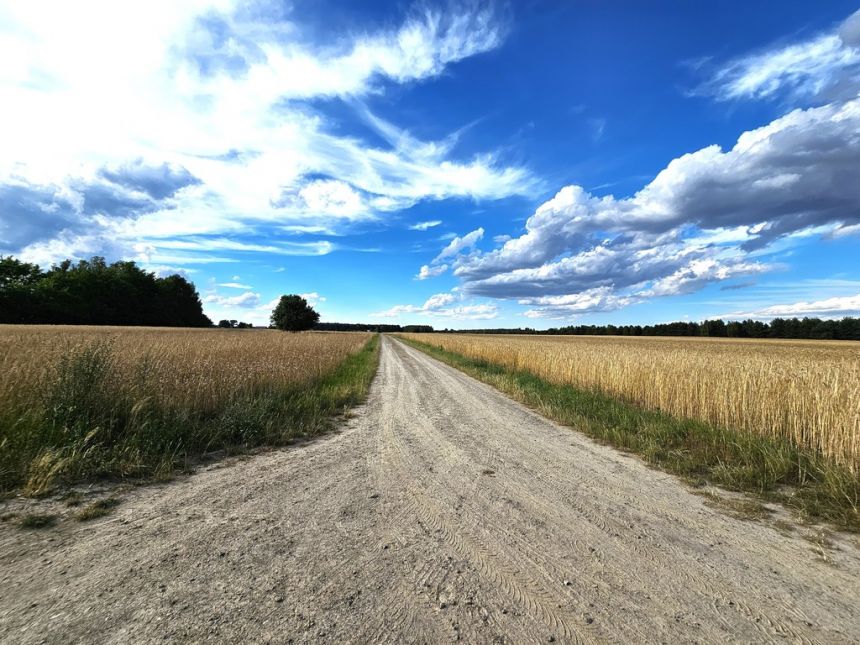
441	511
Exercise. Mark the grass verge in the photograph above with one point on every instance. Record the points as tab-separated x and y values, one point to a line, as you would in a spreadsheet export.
84	427
701	454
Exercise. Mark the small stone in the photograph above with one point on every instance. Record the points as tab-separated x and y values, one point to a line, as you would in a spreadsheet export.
373	495
588	620
567	583
442	605
279	599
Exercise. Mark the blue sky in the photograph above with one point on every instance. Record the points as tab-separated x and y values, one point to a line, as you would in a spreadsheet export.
458	164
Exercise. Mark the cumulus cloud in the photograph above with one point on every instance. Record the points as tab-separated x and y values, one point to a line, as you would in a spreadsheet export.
694	224
313	298
827	63
428	271
197	123
234	285
439	305
30	212
245	300
164	271
460	244
454	249
836	307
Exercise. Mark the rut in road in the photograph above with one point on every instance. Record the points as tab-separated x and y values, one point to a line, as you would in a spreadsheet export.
442	510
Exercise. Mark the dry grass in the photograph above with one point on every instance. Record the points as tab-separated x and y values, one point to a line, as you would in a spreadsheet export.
78	402
805	391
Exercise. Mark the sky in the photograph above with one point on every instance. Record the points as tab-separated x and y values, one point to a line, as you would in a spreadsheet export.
459	164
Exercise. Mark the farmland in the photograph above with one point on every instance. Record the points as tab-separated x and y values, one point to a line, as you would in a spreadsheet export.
778	419
804	391
86	401
442	511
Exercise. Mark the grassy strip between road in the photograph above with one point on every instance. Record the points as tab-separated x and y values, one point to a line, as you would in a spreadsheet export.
699	453
71	437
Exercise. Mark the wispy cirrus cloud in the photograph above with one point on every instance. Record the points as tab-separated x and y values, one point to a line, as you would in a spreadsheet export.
826	63
423	226
204	127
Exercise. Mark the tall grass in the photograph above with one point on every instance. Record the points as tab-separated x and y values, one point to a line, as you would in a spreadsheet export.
130	402
702	453
807	392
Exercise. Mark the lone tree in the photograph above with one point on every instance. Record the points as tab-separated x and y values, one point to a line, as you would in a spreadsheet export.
293	313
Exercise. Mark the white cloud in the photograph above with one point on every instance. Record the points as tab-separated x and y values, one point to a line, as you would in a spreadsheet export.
454	248
460	244
245	300
836	307
164	271
423	226
439	300
428	271
313	298
827	62
234	285
699	221
201	96
438	306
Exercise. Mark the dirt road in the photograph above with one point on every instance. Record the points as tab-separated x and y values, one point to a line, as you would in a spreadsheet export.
442	511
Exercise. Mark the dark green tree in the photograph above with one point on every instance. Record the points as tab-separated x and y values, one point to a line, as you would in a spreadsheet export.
96	293
293	313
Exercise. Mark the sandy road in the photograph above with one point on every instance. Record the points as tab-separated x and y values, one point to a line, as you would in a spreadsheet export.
442	511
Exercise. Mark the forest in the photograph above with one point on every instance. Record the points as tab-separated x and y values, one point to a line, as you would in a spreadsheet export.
93	292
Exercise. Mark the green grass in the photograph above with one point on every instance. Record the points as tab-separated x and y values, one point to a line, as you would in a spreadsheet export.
82	427
701	454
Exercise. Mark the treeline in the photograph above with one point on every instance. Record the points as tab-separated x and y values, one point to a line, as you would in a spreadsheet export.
93	292
811	328
336	326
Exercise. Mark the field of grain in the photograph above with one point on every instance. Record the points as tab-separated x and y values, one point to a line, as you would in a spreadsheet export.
189	367
805	391
113	399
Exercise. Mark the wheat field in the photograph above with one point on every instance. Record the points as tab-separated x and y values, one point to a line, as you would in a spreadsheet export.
81	401
806	391
189	367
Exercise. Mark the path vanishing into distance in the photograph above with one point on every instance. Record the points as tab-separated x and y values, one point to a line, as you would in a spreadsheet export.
441	511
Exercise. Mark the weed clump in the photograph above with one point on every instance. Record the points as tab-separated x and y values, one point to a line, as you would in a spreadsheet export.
99	508
37	521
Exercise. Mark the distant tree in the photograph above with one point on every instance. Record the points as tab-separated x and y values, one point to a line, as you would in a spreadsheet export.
244	325
293	313
418	329
224	324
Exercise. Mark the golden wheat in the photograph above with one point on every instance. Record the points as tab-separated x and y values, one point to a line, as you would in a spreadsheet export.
806	391
198	368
